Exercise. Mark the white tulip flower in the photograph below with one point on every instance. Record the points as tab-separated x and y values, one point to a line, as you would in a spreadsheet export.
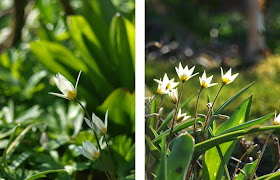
276	119
97	125
206	82
165	85
185	73
182	117
173	94
89	150
66	87
227	77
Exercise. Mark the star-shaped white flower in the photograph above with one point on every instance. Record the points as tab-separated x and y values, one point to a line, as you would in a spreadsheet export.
182	117
97	125
185	73
165	85
206	82
89	150
66	87
173	94
227	77
277	119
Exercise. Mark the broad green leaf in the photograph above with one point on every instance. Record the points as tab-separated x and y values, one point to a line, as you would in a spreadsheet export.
130	29
153	110
124	114
78	28
169	117
248	169
162	173
232	98
240	116
180	157
43	174
120	51
212	166
209	143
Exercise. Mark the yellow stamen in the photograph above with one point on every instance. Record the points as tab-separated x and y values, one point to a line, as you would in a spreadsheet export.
184	78
203	84
168	86
225	80
96	154
104	130
71	94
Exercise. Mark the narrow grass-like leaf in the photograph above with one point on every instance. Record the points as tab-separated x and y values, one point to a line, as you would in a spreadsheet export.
153	149
162	173
180	157
271	176
207	144
43	174
232	98
9	143
176	129
169	117
248	124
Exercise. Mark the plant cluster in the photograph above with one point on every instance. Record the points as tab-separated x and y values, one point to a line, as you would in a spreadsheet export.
181	147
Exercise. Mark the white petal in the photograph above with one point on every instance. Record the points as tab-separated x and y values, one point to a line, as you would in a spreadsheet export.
88	122
106	118
78	78
222	72
59	95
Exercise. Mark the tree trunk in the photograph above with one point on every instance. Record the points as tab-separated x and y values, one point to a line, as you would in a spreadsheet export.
256	39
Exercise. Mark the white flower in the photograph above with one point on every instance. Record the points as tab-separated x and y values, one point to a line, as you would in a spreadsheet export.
89	150
173	94
97	125
186	73
66	87
227	77
277	119
165	85
206	82
182	117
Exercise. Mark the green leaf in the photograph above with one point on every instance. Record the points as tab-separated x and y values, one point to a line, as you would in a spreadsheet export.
124	114
162	173
232	98
248	124
153	149
271	176
180	157
177	128
207	144
213	168
169	117
248	169
43	174
120	51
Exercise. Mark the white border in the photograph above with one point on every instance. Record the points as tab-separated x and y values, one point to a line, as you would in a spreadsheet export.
139	89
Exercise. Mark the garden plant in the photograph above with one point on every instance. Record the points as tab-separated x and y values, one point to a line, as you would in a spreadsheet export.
200	145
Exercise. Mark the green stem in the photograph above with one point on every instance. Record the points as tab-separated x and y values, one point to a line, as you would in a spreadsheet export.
96	137
209	112
110	159
195	116
174	116
158	117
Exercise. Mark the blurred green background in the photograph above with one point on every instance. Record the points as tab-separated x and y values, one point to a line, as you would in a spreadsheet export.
39	38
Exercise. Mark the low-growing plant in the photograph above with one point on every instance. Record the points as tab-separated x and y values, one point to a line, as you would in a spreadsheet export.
181	147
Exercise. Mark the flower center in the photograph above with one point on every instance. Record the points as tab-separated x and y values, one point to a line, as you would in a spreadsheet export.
71	94
168	86
96	154
226	80
204	84
104	130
